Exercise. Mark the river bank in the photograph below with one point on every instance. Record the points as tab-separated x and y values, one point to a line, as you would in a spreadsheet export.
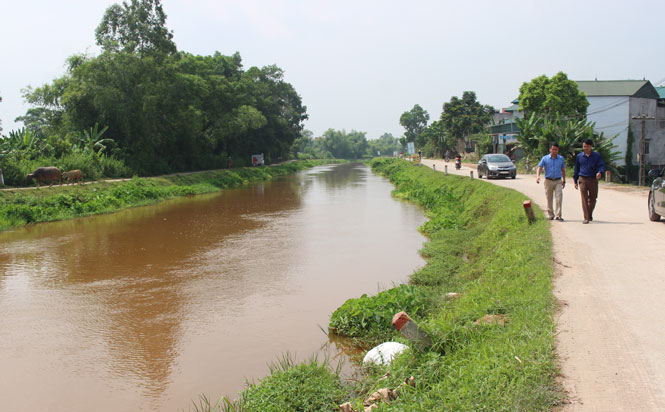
493	346
21	207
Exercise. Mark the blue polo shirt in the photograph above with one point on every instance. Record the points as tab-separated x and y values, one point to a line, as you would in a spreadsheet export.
588	166
552	166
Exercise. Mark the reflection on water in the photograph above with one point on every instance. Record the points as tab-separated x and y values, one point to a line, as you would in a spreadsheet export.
147	308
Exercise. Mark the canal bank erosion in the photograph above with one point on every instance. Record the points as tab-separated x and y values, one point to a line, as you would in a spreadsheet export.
483	298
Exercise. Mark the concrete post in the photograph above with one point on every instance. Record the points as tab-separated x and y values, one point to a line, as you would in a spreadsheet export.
529	211
445	169
471	174
409	329
608	176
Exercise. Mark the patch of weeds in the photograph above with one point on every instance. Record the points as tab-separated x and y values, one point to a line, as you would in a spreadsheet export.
372	315
309	386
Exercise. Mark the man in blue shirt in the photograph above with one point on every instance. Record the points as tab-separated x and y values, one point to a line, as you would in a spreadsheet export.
555	180
589	167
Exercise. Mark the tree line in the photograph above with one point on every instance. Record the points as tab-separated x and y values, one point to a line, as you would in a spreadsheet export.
553	110
462	125
152	108
341	144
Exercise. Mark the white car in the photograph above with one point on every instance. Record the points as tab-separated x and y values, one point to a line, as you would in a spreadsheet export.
656	195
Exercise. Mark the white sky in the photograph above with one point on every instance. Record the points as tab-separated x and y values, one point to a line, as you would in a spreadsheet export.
358	65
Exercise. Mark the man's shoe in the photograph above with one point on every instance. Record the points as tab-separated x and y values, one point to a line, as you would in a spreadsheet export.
560	219
591	219
585	221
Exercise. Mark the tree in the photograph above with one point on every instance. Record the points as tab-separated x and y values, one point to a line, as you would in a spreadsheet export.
358	144
336	143
547	97
463	117
437	141
385	145
303	145
554	111
415	122
138	27
529	127
344	145
91	140
538	133
165	110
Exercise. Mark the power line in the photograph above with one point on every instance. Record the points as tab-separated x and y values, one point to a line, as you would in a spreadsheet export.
609	106
621	123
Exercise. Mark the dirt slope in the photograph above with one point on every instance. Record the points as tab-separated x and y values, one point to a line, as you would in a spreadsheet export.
610	284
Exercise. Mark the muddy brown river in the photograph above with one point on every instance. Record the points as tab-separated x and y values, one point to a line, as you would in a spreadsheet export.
146	309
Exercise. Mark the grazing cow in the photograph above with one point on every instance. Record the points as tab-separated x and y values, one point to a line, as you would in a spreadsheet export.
42	174
75	176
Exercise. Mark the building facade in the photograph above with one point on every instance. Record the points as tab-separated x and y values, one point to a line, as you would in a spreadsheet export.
620	106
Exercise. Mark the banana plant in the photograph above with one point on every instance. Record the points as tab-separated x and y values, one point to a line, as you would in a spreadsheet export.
20	142
91	140
528	138
568	133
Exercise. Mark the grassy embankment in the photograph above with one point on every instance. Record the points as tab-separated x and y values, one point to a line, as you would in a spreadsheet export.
22	207
480	246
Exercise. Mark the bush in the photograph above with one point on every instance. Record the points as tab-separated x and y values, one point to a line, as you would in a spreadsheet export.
372	316
305	387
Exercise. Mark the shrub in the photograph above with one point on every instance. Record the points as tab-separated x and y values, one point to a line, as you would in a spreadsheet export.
372	315
309	386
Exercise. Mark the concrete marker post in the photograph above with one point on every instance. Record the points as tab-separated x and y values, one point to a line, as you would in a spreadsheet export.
529	211
409	329
608	176
445	169
471	174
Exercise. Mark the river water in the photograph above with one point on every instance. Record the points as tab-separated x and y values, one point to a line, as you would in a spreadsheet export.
146	309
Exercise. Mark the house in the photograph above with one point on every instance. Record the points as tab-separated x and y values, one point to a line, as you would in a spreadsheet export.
617	105
614	106
504	130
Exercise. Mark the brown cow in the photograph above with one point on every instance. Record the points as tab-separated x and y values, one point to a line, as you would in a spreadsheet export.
42	174
75	176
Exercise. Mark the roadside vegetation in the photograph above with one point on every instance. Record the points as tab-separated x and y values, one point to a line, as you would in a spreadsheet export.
493	341
555	111
22	207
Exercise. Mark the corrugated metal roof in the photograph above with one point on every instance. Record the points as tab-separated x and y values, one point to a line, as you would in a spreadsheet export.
632	88
513	108
661	91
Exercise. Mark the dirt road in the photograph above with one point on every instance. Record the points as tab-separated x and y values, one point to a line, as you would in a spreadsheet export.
610	282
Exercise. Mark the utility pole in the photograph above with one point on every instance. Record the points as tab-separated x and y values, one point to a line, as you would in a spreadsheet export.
640	155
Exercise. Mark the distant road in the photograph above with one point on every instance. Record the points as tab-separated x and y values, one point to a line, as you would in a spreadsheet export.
610	285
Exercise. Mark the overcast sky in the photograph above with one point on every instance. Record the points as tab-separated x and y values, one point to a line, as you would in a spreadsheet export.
358	65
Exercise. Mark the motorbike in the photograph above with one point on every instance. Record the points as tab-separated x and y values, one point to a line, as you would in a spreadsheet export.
458	163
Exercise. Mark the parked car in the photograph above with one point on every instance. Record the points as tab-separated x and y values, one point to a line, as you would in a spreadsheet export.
496	165
656	195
